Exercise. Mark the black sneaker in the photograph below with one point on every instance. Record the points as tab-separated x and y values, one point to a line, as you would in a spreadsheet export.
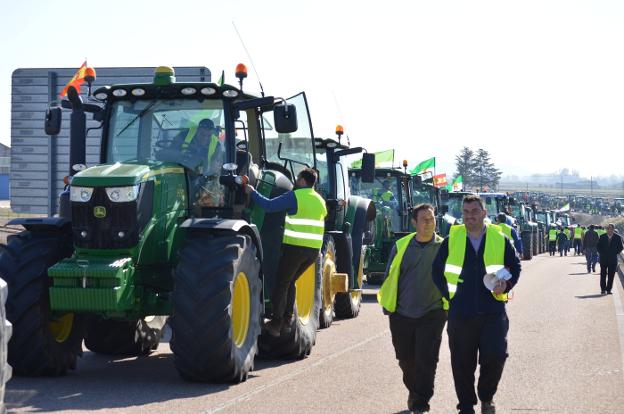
609	292
602	292
487	407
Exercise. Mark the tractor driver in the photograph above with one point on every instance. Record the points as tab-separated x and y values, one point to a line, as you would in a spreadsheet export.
303	238
385	196
205	145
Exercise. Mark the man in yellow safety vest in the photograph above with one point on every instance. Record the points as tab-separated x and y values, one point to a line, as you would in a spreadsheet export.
474	270
415	306
303	238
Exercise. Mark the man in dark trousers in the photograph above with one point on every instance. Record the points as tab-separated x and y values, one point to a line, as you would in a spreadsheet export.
303	237
477	321
609	246
415	307
590	246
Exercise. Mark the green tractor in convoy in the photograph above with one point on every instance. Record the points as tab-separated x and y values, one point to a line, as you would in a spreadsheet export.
450	211
529	230
391	192
347	234
162	228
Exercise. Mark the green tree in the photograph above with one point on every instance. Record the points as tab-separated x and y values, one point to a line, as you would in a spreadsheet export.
485	173
465	165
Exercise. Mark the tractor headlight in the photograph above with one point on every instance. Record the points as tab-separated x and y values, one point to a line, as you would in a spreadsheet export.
123	194
80	194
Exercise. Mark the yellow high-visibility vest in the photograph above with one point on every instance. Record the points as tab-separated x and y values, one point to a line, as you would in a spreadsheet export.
506	229
493	257
388	292
306	227
552	235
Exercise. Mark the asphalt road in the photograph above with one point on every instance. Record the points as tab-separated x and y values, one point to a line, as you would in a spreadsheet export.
564	346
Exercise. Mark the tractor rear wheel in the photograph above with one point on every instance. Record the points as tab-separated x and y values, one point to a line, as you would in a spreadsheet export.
328	268
131	338
42	343
297	339
527	245
348	304
216	308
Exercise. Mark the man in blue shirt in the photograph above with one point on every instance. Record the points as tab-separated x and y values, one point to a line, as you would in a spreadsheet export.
303	238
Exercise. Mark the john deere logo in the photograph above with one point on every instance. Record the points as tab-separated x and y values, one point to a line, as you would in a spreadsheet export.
99	211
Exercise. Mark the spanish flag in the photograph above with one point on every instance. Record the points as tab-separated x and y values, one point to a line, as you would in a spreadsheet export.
440	180
76	81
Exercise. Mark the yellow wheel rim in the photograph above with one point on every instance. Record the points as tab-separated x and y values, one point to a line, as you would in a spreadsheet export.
61	327
329	268
241	309
357	295
306	286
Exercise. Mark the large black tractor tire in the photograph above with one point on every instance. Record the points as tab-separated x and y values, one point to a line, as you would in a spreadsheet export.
535	240
328	267
5	335
130	338
217	308
527	245
297	339
41	344
347	305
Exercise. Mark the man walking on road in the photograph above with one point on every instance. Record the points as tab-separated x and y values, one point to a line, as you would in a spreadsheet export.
415	306
562	242
609	246
590	245
477	321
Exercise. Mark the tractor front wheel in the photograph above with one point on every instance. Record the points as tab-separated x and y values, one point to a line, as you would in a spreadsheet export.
43	343
216	308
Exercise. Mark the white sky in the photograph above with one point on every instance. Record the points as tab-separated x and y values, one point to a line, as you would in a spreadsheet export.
537	83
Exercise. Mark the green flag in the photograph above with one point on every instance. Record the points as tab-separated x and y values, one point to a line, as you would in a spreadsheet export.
380	157
424	167
458	183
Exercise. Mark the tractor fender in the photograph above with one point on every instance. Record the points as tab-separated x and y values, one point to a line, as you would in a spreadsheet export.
41	223
226	225
360	213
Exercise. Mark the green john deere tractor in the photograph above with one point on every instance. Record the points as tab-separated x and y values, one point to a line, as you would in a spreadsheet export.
347	235
162	227
390	192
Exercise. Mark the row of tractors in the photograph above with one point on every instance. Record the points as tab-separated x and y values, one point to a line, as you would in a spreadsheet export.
159	233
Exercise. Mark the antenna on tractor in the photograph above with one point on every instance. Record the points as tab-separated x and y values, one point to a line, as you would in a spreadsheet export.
250	59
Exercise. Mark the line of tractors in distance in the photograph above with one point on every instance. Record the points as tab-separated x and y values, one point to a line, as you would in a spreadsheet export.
155	234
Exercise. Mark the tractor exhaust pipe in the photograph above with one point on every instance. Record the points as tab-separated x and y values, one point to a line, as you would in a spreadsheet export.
77	131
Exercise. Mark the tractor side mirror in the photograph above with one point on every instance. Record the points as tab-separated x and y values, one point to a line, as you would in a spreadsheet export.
368	168
53	119
285	118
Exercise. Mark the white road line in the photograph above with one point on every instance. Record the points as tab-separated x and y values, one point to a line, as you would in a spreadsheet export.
248	395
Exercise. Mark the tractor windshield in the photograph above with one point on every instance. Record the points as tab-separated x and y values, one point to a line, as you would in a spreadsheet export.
422	193
385	192
183	131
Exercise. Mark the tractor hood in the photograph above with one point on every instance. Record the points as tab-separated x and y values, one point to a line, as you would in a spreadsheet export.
123	174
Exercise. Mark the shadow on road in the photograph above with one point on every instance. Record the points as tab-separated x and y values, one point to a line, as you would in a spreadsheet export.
597	295
369	297
579	274
101	382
